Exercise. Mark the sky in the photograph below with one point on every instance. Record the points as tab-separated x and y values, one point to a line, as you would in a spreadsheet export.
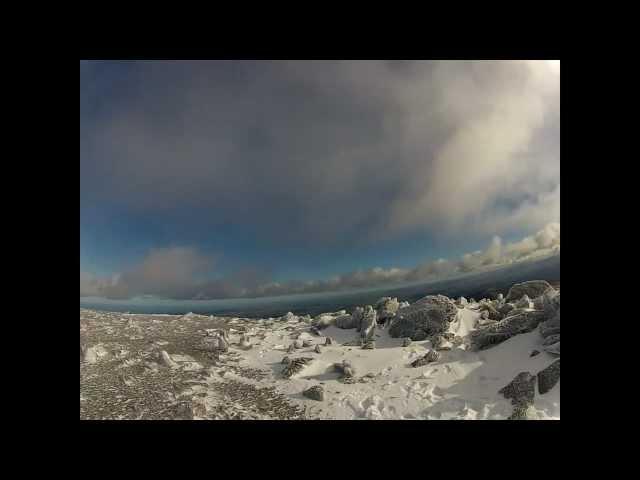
225	179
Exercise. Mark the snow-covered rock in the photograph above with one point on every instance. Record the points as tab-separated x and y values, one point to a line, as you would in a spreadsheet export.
346	321
532	289
521	391
386	308
314	393
368	324
512	325
428	316
548	377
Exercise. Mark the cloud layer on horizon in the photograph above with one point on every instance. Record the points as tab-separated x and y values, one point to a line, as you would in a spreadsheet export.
178	273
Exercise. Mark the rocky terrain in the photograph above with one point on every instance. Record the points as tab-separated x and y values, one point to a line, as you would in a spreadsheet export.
437	358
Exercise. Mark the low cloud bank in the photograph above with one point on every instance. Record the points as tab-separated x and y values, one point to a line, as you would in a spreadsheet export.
178	273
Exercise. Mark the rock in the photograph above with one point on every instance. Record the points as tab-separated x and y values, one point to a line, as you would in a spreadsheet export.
291	348
505	309
318	349
288	317
298	343
307	343
441	343
428	316
371	345
524	302
368	324
406	342
314	393
500	331
403	305
457	340
166	360
430	356
295	366
315	331
532	289
245	343
500	297
553	349
534	353
215	341
489	311
345	321
328	341
386	308
285	360
95	354
547	329
551	302
184	411
463	301
521	391
548	377
323	321
346	368
551	339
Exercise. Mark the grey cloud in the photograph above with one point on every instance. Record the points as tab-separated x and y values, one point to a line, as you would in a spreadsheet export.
319	151
174	273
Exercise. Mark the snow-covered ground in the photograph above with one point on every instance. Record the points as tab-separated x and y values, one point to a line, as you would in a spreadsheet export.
172	366
462	384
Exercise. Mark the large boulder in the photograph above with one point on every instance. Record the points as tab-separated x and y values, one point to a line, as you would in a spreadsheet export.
386	308
429	316
548	377
500	331
532	288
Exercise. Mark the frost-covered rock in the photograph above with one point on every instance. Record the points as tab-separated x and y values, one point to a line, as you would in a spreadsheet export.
505	309
428	316
328	341
166	360
551	339
441	343
285	360
295	365
524	302
532	289
489	311
406	342
215	340
430	356
548	377
403	305
386	308
463	302
298	343
323	321
291	349
288	317
521	391
314	393
553	349
371	345
318	349
95	354
345	368
500	331
368	324
346	321
307	343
